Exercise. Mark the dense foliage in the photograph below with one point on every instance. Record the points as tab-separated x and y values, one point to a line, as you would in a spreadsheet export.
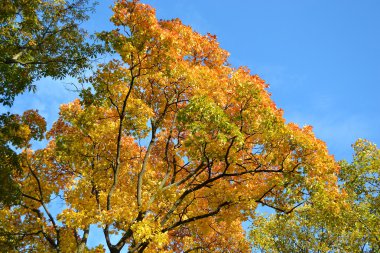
355	228
38	38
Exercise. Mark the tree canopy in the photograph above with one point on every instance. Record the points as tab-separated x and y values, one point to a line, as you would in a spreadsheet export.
40	38
37	39
169	150
353	229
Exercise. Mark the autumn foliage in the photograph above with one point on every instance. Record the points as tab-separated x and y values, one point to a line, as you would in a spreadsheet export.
354	228
169	150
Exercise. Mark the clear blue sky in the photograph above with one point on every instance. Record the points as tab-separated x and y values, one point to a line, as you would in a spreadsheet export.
320	57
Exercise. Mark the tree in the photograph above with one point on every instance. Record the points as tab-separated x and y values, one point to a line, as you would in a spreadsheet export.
16	130
40	39
170	149
354	228
37	39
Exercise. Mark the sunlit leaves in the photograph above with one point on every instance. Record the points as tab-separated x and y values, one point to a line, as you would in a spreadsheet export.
344	222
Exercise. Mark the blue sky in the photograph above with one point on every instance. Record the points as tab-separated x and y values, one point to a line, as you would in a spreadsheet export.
320	57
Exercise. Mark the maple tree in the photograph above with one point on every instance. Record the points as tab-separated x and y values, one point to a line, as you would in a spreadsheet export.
169	150
353	229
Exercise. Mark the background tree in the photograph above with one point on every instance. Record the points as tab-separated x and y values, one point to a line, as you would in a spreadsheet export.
37	39
171	149
17	131
40	39
310	229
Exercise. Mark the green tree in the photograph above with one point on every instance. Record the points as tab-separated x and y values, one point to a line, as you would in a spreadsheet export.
353	227
38	38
